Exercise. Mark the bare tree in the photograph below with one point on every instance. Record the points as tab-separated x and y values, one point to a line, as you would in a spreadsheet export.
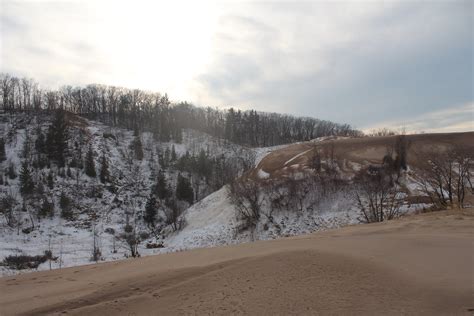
173	211
245	195
444	176
377	197
8	204
132	237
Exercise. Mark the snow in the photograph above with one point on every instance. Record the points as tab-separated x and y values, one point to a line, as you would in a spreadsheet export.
324	138
262	174
262	152
298	155
210	222
72	241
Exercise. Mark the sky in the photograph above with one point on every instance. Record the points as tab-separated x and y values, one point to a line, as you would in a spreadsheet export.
396	64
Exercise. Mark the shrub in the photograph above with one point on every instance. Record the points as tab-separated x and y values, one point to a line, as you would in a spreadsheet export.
21	262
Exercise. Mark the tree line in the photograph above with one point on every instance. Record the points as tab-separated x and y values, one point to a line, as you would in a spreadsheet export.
154	112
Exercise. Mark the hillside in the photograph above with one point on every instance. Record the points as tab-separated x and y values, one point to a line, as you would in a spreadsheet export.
214	221
417	265
97	213
232	194
357	152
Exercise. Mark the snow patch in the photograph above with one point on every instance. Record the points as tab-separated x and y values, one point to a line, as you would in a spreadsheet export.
262	174
299	155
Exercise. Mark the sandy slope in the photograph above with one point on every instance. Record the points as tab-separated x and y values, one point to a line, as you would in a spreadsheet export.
360	150
417	265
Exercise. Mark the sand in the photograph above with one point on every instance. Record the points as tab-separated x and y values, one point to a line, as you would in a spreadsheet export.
421	264
365	150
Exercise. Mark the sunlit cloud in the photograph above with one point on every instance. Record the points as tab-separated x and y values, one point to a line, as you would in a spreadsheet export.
451	119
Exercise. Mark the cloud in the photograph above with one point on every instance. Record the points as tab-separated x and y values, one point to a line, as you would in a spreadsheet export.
450	119
347	62
355	62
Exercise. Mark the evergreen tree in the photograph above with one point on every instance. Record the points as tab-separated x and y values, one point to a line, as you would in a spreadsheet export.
161	160
203	164
50	180
47	208
56	141
178	135
184	191
25	153
90	165
166	158
173	154
161	187
137	147
3	155
40	143
65	204
26	181
11	172
150	210
104	169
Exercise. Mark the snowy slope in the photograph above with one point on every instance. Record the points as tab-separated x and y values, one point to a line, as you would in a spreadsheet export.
95	207
210	222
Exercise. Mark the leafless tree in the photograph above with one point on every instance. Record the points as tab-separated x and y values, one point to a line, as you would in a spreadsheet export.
245	195
132	237
173	214
377	197
8	204
444	176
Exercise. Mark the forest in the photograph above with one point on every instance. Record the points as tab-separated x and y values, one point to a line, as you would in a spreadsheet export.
154	112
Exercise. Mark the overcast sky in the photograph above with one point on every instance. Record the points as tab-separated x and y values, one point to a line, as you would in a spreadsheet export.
370	64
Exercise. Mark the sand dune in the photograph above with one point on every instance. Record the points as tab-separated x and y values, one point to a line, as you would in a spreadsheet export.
421	264
360	150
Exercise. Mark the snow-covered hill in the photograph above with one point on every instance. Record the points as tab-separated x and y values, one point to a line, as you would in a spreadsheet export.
99	211
297	189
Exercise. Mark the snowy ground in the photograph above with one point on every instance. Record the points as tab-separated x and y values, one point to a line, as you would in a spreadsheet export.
72	241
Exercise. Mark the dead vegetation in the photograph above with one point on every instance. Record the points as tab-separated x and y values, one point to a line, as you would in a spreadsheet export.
445	178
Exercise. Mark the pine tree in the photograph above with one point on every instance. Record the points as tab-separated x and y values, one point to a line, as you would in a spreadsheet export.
56	141
3	155
173	154
90	165
65	204
137	147
184	191
46	209
166	158
178	137
11	172
203	164
104	169
150	210
26	181
50	180
25	153
161	186
40	143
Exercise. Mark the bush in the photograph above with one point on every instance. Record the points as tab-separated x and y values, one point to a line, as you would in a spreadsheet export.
47	209
21	262
109	135
245	196
154	245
